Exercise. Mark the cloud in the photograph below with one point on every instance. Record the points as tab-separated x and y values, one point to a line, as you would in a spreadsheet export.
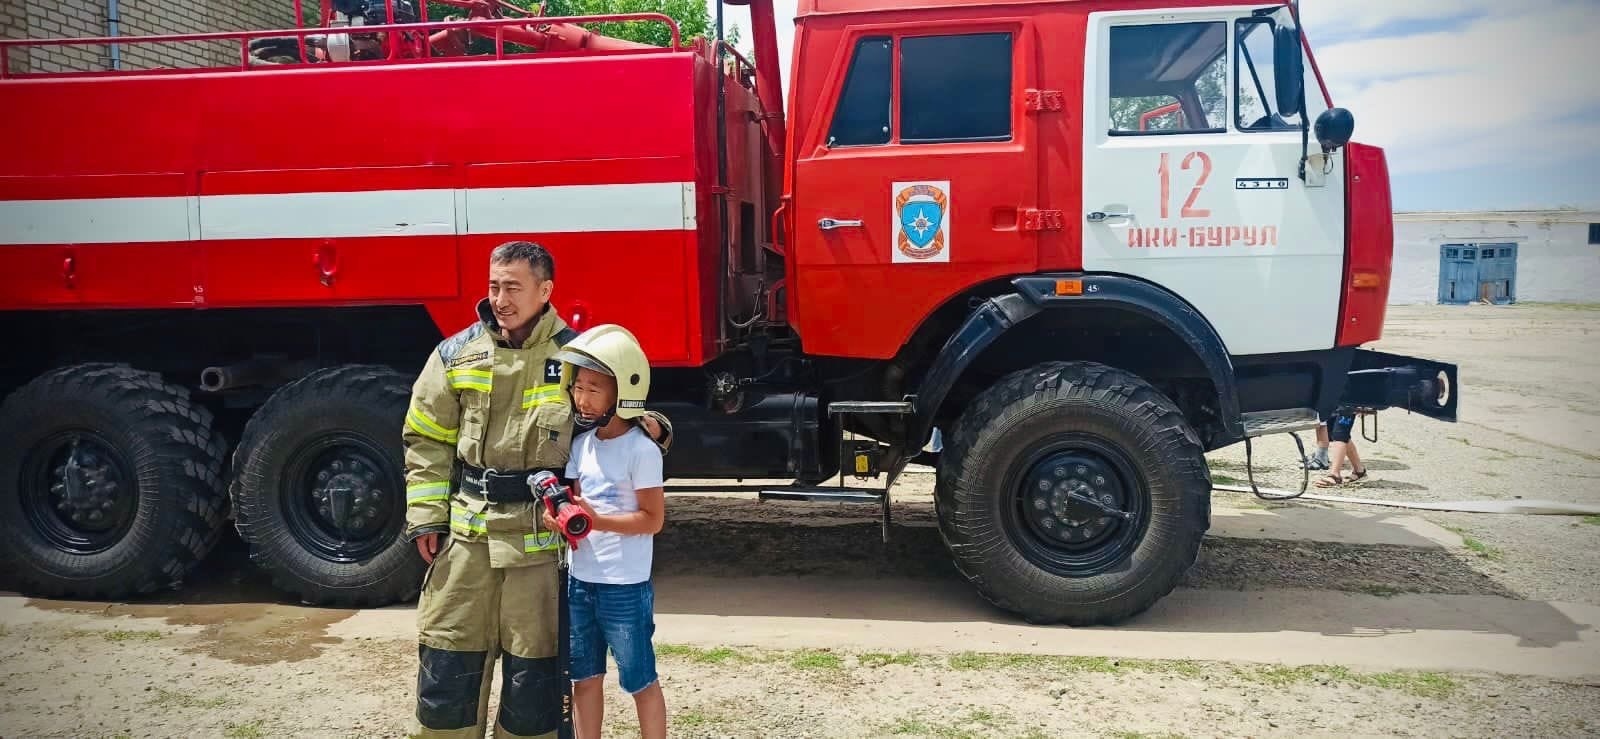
1335	17
1505	88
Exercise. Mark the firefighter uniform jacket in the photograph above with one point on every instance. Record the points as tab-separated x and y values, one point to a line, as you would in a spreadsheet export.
484	403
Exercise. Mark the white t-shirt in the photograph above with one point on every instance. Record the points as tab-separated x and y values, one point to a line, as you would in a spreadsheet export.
608	472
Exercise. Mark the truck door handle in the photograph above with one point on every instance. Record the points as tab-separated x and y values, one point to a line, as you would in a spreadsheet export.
1098	216
829	224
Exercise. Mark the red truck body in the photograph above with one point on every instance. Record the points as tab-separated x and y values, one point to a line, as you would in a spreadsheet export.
204	190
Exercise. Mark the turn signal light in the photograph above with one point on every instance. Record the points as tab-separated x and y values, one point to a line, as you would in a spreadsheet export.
1366	280
1069	287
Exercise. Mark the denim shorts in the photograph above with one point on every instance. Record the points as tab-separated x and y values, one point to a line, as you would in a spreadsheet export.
1340	424
621	617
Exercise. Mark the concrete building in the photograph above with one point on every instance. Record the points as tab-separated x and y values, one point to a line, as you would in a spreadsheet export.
80	18
1505	256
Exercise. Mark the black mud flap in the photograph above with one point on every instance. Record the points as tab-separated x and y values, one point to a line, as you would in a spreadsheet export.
1378	380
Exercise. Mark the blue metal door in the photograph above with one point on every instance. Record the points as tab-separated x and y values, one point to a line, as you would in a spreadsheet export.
1458	273
1497	273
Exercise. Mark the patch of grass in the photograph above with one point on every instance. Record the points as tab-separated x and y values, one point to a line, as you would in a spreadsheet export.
119	635
983	720
810	659
1423	684
1477	547
883	659
252	730
1217	478
912	726
1048	664
694	719
1591	520
984	716
1182	667
714	656
174	699
1381	590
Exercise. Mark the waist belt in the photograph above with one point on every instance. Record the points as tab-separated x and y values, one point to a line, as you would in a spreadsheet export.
498	486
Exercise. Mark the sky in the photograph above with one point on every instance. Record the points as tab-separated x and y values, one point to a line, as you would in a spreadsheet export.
1479	104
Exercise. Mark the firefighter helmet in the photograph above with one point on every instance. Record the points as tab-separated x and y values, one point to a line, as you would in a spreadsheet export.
609	349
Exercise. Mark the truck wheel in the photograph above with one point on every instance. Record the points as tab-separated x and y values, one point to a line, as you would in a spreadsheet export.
319	488
110	483
1024	446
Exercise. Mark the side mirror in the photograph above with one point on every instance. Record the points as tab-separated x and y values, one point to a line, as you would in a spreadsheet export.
1288	69
1334	128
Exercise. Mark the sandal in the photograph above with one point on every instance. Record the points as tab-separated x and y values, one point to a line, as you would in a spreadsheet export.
1335	480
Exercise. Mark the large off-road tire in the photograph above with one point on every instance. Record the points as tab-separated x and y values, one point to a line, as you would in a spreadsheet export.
1023	444
110	483
319	488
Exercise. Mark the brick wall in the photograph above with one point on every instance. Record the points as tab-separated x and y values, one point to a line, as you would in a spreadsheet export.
65	18
14	24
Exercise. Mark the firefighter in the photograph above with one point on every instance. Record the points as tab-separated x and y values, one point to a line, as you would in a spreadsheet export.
486	412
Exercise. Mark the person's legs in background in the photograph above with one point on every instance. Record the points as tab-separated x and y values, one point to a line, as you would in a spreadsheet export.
1318	459
1342	447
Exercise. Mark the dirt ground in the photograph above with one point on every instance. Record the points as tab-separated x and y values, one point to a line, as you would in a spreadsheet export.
795	620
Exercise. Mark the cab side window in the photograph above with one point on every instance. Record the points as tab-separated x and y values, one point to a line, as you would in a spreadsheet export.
1256	95
955	88
952	88
1168	78
862	117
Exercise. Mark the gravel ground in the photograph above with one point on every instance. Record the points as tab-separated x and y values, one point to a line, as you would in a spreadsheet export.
158	681
1529	428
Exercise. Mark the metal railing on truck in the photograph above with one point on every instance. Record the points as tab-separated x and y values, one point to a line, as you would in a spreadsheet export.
499	26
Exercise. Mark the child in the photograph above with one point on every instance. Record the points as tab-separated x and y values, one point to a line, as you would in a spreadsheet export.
1340	424
615	470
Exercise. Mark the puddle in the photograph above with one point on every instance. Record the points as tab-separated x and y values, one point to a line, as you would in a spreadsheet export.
245	620
242	633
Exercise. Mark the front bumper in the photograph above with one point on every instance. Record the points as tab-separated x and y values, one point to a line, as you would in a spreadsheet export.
1377	380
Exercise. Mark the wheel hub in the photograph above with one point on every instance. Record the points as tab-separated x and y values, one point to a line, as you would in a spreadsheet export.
341	500
349	498
84	488
1074	499
79	492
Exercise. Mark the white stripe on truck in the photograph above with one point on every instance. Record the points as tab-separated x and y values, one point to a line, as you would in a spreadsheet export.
655	206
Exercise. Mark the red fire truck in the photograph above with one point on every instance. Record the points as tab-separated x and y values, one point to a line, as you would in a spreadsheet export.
1086	240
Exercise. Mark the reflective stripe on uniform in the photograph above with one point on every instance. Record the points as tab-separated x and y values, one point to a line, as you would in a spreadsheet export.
469	379
539	395
534	543
427	492
422	424
467	521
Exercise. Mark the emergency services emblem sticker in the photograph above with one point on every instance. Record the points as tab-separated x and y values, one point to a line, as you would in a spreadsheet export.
921	222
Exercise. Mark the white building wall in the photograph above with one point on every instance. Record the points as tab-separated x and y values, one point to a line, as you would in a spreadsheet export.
1555	262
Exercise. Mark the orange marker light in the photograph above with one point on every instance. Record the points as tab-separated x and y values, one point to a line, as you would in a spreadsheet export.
1069	287
1363	280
